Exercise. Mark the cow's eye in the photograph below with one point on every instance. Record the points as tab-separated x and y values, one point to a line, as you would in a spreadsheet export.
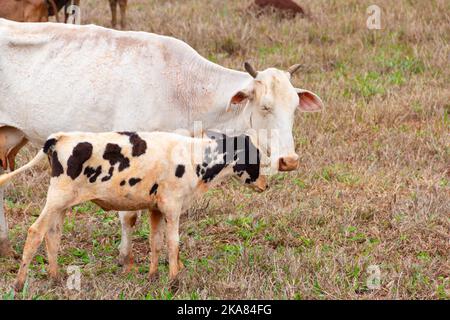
265	108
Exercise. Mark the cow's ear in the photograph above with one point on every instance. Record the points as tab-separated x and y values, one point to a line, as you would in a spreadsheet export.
308	101
242	96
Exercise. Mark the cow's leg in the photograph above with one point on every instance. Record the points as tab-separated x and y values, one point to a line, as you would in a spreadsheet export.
128	221
123	13
5	246
11	141
36	234
113	5
173	238
157	240
52	243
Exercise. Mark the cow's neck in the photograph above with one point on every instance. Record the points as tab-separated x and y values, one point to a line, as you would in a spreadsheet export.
210	104
232	122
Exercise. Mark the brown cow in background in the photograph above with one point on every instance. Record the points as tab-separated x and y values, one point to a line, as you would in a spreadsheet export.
123	12
41	10
26	10
59	4
288	6
34	10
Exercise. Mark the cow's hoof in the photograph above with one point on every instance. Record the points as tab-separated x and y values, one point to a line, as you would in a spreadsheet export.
124	259
6	250
128	268
126	262
121	260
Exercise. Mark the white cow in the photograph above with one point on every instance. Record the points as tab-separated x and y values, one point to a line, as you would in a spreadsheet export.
56	77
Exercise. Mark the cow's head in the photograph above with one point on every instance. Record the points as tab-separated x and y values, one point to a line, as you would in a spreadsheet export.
270	103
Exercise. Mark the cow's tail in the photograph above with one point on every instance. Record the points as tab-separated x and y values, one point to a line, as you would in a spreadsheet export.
8	176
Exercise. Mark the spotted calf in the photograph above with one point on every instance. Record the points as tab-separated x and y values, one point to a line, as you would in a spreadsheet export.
159	171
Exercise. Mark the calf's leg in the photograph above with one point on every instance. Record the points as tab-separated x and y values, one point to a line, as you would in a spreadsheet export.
173	238
157	240
52	244
36	234
128	221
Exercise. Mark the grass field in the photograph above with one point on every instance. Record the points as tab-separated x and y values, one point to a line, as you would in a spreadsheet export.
372	191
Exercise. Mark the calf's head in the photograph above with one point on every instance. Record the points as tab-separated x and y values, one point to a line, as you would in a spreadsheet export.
270	103
233	155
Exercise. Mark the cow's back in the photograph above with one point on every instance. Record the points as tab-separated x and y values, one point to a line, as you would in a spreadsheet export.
59	77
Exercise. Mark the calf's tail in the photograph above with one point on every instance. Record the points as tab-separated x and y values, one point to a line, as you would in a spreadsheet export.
4	178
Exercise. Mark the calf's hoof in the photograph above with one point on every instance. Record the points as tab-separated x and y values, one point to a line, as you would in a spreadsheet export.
174	284
18	285
56	280
153	277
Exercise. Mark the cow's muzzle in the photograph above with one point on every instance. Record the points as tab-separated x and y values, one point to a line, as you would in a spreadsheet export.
289	163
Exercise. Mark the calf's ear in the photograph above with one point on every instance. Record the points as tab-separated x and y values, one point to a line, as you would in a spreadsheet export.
309	101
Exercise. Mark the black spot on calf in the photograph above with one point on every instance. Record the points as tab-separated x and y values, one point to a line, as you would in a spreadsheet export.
179	171
114	155
248	159
154	189
92	173
49	144
133	181
211	172
109	176
57	168
139	145
80	154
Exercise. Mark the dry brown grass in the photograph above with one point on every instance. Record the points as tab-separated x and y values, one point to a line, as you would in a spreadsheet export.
373	187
